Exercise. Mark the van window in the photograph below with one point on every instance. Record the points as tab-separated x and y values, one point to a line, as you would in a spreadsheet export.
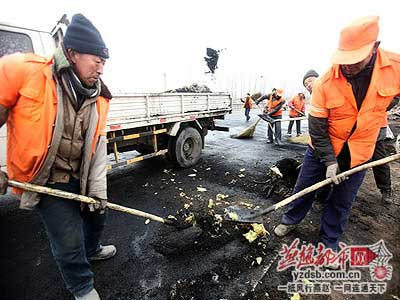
11	42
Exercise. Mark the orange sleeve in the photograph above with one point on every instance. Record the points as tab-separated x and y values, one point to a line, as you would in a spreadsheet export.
318	101
103	129
11	78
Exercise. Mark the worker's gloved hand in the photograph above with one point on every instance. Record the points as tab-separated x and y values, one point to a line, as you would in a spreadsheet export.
3	183
331	172
100	205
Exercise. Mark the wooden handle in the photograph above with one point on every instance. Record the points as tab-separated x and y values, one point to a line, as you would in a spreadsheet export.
299	111
67	195
329	180
291	119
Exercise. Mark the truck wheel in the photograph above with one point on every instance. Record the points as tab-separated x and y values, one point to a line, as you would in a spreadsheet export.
185	148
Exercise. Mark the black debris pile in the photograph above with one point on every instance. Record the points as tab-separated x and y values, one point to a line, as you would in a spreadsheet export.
212	59
193	88
282	177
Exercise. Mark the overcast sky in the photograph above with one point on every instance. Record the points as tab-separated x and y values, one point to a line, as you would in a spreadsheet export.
268	43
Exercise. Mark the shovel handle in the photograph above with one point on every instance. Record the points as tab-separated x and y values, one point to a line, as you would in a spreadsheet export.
320	184
84	199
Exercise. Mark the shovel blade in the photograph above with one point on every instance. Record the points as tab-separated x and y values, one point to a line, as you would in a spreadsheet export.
242	215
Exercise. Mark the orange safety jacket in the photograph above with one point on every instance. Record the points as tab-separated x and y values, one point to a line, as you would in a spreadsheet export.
248	101
271	104
28	90
299	104
333	98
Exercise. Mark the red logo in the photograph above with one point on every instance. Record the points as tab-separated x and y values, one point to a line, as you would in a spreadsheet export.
361	256
380	272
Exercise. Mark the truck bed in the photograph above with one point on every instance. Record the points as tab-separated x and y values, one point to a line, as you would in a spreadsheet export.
137	110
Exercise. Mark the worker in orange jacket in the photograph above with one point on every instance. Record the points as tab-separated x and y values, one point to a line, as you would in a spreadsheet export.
297	106
382	172
248	105
348	106
273	111
56	110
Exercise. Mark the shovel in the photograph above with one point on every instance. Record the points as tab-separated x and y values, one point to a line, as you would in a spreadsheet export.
67	195
298	111
238	214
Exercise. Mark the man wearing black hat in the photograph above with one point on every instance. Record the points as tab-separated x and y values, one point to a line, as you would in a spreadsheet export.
309	79
58	109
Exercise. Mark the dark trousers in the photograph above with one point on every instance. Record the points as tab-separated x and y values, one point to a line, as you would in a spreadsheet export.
74	235
278	132
337	206
382	172
247	113
298	126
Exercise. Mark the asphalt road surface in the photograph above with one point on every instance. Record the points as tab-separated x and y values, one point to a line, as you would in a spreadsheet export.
221	264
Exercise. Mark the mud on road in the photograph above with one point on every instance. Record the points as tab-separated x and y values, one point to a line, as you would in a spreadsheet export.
220	263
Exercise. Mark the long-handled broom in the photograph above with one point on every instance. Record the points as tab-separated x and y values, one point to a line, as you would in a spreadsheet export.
247	133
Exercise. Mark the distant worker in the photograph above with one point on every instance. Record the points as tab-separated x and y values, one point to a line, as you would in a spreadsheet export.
56	111
309	79
297	106
344	124
248	105
272	112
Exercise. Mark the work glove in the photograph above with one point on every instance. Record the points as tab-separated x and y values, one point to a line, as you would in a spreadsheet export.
3	183
331	172
100	205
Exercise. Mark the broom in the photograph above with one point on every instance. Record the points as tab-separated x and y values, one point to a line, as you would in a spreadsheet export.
247	133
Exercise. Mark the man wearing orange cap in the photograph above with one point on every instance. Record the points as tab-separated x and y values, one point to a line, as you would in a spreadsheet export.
297	107
273	111
381	172
348	108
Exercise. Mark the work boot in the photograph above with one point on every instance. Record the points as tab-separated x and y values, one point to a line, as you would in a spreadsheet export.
387	197
283	229
105	252
92	295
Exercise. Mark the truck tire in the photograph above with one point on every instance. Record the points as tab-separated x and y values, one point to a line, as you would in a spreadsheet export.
185	148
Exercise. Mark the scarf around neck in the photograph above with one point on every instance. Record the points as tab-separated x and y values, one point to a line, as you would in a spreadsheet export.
65	71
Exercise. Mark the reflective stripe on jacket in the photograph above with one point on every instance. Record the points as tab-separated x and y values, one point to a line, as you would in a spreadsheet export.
299	104
333	99
272	103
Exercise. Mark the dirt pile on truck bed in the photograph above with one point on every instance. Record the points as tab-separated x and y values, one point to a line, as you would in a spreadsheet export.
193	88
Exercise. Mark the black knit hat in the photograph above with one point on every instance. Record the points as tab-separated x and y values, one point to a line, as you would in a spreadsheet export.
83	37
310	73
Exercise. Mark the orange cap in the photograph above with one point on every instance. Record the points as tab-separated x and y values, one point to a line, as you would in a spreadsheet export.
279	92
356	41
